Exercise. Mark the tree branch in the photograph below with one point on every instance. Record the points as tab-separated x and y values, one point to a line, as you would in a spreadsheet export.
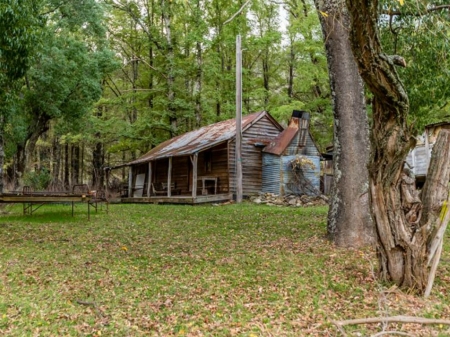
237	13
426	11
392	333
392	319
398	60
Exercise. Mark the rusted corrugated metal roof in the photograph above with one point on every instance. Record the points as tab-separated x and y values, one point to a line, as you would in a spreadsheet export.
279	144
200	139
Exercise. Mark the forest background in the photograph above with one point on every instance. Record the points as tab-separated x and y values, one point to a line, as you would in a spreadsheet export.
106	81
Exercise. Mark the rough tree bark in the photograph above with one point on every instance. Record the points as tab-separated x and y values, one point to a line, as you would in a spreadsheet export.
405	221
349	221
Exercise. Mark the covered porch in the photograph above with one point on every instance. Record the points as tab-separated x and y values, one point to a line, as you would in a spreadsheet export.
179	199
199	177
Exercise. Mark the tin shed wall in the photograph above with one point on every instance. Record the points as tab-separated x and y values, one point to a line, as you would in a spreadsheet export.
278	175
271	173
313	175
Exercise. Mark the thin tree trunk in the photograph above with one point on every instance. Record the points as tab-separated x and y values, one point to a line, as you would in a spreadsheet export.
170	54
349	221
82	167
56	161
75	164
66	167
97	165
198	80
290	89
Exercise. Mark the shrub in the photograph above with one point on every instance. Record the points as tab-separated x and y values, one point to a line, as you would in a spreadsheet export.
39	180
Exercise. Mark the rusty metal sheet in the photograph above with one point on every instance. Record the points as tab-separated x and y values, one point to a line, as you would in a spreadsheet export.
200	139
282	141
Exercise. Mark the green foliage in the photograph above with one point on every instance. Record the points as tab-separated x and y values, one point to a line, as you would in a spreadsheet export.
39	180
20	25
422	38
61	72
203	66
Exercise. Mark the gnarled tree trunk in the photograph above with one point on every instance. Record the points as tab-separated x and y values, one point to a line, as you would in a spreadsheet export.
405	221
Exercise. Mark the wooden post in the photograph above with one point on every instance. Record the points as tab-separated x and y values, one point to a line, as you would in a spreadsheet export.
130	181
169	178
194	161
238	120
149	179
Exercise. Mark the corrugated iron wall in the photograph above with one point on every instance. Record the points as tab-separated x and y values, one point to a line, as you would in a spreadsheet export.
311	174
278	176
271	173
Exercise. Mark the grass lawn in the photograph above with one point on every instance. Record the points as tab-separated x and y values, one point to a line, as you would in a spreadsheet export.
171	270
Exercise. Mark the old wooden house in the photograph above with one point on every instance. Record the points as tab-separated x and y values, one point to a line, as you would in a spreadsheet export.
418	158
200	166
291	162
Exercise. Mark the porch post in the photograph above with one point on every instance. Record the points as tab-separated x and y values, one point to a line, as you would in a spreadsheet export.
130	181
149	179
169	178
194	160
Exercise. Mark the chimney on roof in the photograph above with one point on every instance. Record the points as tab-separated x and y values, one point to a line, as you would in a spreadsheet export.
303	125
300	114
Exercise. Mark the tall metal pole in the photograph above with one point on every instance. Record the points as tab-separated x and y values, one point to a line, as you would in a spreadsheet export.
238	120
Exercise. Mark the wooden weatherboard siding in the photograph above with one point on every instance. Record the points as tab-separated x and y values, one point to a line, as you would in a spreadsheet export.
258	133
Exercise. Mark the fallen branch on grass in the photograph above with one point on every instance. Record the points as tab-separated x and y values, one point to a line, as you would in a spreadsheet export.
389	333
87	303
97	310
392	319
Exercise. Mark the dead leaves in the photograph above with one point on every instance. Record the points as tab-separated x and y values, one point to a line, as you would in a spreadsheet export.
237	270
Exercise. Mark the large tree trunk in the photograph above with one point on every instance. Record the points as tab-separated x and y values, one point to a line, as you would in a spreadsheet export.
349	221
402	232
25	151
